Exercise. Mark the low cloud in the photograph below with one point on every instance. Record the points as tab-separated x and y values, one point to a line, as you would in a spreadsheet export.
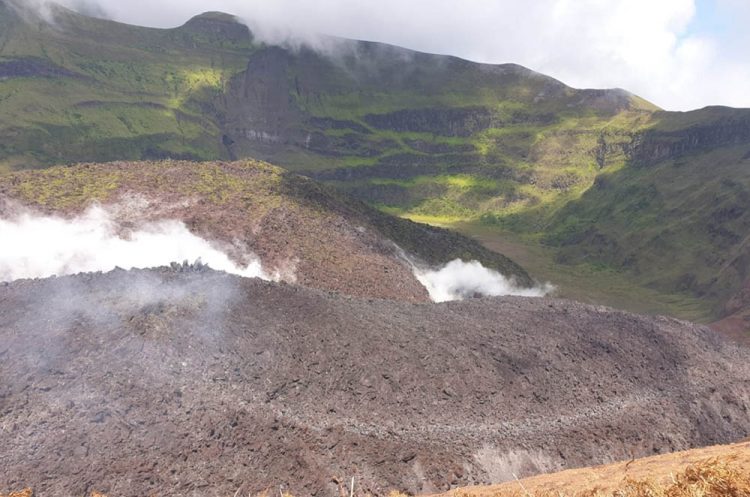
459	280
38	246
680	54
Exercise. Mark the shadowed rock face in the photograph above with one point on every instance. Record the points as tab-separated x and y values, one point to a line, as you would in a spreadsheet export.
653	147
450	122
189	382
279	103
31	67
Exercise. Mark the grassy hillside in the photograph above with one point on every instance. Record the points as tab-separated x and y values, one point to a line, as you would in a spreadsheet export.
676	218
78	89
650	202
586	281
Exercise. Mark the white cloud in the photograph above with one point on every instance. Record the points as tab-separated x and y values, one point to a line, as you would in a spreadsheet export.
644	46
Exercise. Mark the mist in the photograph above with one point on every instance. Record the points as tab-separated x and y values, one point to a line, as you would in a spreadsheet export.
459	280
39	246
104	238
669	52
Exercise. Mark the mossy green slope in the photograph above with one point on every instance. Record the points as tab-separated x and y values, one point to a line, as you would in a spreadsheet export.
605	179
429	137
677	217
74	88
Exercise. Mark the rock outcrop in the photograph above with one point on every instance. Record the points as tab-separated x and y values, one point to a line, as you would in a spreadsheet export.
188	382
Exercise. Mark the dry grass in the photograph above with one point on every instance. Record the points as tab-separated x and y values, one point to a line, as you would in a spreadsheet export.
23	493
722	471
713	478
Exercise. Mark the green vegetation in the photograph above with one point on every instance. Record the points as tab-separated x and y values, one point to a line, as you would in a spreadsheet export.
679	226
648	205
87	89
588	281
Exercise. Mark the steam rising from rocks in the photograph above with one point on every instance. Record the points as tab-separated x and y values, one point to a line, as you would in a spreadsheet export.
105	238
38	246
458	280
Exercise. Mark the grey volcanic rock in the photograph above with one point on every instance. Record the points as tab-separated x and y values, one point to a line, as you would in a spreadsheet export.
185	381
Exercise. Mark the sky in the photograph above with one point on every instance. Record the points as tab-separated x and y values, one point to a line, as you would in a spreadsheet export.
678	54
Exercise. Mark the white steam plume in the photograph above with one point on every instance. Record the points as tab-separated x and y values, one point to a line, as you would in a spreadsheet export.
35	246
458	280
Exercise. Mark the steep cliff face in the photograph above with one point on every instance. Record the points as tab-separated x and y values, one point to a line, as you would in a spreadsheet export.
676	216
260	114
355	90
678	135
454	122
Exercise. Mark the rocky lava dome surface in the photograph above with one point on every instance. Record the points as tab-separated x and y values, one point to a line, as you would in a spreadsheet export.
253	209
186	381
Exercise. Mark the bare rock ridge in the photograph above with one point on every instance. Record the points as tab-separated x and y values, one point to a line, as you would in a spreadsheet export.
190	382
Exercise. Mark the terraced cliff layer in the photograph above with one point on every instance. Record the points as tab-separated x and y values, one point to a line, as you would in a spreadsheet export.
457	138
189	382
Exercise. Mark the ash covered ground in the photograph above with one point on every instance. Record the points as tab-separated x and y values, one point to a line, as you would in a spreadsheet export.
185	381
